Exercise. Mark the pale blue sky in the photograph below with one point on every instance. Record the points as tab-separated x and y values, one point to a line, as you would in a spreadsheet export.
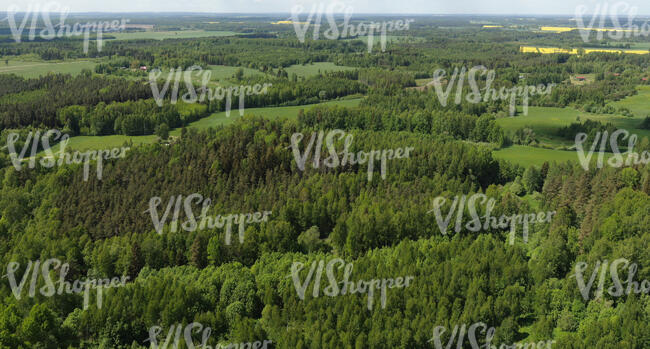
566	7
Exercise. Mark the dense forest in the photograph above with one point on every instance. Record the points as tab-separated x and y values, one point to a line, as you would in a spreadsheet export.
241	291
526	288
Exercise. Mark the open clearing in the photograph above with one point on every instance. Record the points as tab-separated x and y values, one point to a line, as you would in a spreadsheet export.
220	74
639	45
33	69
314	68
223	72
270	112
587	79
532	156
545	121
83	143
638	104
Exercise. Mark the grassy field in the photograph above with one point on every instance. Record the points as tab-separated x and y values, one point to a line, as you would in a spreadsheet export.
178	34
527	156
422	82
313	68
533	156
639	45
273	112
83	143
33	69
220	74
638	104
545	121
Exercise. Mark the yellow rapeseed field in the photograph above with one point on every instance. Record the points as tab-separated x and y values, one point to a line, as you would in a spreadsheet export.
551	50
558	29
287	22
568	29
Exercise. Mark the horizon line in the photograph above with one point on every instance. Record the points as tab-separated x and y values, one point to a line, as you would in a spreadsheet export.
335	13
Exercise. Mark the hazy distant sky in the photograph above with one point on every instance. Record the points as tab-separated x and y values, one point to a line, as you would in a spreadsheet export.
566	7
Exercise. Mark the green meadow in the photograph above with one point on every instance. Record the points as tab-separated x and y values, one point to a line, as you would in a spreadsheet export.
638	104
34	69
532	156
423	82
639	45
220	74
313	69
223	72
220	118
545	121
83	143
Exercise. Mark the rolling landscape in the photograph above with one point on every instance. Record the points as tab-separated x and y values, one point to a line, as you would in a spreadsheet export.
264	176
